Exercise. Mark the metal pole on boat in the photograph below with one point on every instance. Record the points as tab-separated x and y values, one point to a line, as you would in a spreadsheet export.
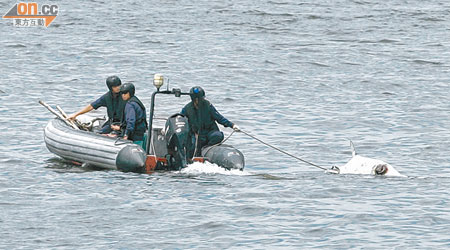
158	81
150	122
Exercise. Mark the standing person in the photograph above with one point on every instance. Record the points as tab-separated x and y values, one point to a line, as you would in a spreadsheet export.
111	100
135	119
202	117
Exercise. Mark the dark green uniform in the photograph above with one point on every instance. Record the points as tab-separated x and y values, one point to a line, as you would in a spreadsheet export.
202	121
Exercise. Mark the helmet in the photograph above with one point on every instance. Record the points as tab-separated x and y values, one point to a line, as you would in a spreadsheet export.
127	87
113	81
196	92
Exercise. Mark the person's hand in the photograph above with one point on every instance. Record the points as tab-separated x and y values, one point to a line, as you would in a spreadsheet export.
236	128
115	127
72	116
125	137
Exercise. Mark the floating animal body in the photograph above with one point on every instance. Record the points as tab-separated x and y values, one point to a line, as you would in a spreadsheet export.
364	165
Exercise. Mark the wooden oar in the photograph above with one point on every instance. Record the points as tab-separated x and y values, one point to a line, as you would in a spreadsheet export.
61	111
66	116
58	115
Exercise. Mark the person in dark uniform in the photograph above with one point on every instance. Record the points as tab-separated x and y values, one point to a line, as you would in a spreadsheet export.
134	122
111	100
202	117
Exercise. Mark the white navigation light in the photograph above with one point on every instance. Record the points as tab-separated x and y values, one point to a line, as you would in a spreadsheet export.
158	80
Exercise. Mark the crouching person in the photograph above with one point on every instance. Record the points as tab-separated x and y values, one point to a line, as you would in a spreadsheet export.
134	122
203	118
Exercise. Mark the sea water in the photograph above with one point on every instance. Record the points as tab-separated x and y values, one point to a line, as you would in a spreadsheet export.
303	76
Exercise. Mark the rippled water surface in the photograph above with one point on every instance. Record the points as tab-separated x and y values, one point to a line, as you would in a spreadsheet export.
305	76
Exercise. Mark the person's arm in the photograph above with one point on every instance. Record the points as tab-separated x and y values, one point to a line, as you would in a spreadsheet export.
220	118
100	102
84	110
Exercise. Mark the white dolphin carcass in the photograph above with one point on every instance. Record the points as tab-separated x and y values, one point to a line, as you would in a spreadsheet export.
364	165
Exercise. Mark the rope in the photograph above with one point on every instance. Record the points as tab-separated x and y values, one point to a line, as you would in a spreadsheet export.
220	143
196	144
117	143
282	151
225	139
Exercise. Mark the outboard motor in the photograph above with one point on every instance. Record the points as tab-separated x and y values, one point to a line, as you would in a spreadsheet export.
176	135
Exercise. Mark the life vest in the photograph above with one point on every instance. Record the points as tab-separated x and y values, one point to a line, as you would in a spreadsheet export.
114	108
201	120
141	124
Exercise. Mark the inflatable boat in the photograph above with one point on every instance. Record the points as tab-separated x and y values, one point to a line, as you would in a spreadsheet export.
87	147
164	147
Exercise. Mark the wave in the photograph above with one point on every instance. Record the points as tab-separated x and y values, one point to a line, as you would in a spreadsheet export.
420	61
198	168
